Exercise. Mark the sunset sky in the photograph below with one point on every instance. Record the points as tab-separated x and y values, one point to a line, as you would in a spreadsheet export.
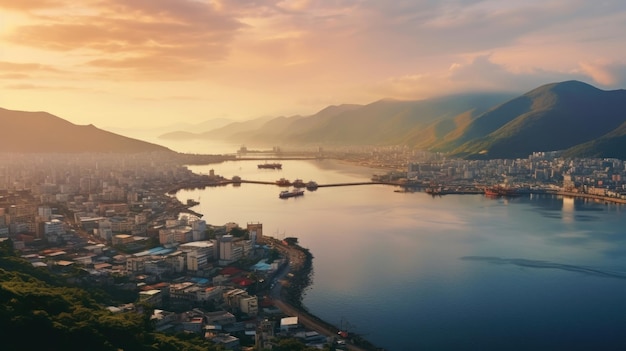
134	63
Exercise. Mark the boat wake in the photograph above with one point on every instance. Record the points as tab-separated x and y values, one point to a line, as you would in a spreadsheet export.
546	264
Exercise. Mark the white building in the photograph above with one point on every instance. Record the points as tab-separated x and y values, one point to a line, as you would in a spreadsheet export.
229	252
249	305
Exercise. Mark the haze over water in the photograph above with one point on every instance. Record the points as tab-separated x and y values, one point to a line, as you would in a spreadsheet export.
458	272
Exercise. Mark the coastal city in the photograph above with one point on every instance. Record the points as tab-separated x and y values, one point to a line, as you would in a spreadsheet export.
114	221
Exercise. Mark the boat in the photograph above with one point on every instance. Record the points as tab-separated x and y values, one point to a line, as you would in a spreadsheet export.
290	193
497	191
298	183
274	165
283	182
311	185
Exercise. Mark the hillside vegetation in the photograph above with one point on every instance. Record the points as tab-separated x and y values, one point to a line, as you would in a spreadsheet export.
39	311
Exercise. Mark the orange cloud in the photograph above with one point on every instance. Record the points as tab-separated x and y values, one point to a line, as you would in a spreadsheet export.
25	67
138	35
28	5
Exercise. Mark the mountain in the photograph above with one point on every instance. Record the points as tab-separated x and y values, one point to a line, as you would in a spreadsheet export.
41	132
611	145
555	116
223	131
416	123
153	133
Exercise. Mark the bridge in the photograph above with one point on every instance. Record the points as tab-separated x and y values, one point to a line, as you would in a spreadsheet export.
319	185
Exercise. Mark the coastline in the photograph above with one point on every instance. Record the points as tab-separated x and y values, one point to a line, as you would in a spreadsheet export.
590	196
289	298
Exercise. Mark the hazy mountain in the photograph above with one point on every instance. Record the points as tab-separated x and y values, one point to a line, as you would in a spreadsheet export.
41	132
555	116
223	132
415	123
152	133
281	129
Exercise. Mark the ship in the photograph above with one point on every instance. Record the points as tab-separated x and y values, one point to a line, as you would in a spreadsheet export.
298	183
497	191
290	193
274	165
283	182
311	185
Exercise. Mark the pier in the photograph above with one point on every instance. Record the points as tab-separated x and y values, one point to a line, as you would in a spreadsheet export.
320	185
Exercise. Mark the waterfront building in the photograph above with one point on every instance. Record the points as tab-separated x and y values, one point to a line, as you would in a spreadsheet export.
198	228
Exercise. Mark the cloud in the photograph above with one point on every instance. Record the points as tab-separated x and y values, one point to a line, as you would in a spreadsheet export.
477	74
28	5
608	74
28	86
27	70
25	67
177	36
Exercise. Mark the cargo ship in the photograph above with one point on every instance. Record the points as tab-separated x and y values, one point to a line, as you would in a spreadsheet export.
274	165
290	193
497	191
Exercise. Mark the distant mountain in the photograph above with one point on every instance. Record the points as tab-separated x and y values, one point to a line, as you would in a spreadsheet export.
558	116
41	132
223	131
153	133
416	123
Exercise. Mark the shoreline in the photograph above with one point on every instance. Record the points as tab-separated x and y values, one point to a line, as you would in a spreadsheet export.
289	298
590	196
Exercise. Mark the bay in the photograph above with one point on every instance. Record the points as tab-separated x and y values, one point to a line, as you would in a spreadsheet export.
409	271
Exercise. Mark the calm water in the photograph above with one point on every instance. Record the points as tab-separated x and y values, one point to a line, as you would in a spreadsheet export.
458	272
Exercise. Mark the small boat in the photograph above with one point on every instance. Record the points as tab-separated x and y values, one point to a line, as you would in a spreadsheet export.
311	185
274	165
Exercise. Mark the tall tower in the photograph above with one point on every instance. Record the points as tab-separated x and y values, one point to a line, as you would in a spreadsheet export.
256	232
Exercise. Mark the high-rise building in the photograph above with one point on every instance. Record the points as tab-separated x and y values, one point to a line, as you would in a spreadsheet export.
256	232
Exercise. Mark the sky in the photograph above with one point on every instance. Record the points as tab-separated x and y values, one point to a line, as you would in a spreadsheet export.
140	63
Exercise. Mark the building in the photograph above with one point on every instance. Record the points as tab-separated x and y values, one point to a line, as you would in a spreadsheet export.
249	305
199	254
256	232
153	297
198	229
229	252
227	341
288	324
122	239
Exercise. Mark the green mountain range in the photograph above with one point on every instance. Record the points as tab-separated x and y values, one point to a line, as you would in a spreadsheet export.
41	132
571	116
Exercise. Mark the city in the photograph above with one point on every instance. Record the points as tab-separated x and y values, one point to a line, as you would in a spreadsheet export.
115	220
